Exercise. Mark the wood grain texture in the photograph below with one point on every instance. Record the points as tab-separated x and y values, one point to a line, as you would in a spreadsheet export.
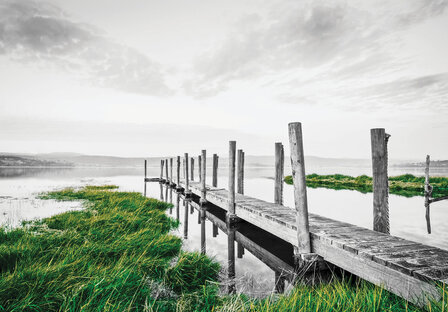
380	181
279	173
240	172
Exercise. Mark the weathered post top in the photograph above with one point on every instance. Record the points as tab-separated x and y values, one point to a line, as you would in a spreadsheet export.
300	196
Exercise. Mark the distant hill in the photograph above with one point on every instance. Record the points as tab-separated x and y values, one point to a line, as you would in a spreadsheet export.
19	161
434	163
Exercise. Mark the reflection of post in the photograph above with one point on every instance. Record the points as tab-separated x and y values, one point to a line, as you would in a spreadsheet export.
146	170
177	206
215	171
186	206
192	168
161	170
231	218
161	191
279	172
166	192
279	282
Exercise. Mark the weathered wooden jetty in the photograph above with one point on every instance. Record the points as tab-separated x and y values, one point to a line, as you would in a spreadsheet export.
411	270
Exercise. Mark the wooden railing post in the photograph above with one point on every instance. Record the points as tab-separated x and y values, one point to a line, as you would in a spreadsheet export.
203	199
215	171
279	173
161	170
428	192
240	185
166	171
178	173
146	176
231	220
187	180
171	172
192	169
200	167
300	196
379	140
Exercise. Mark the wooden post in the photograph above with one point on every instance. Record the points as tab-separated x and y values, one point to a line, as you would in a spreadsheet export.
379	140
186	204
171	171
161	170
161	191
183	168
240	186
177	205
178	172
200	167
166	171
428	192
279	282
232	151
203	239
192	169
203	176
215	230
239	250
146	175
231	220
279	173
300	197
187	180
215	171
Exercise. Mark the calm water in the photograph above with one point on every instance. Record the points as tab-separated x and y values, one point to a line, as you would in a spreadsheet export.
19	188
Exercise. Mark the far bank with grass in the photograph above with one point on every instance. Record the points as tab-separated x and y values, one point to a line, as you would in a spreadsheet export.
405	185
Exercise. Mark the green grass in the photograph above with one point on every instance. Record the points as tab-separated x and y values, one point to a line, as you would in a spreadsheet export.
405	185
118	255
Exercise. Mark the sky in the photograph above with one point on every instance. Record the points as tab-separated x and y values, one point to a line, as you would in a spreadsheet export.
155	78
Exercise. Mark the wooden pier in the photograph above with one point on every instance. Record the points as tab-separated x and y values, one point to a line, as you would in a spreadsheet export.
411	270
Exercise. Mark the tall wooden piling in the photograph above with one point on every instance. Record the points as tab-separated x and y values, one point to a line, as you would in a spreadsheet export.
240	170
187	180
161	170
379	139
231	220
192	169
146	176
178	173
166	171
300	196
428	192
279	173
203	175
215	171
200	167
171	171
177	204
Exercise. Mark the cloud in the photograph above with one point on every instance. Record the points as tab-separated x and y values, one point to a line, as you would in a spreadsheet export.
310	38
37	32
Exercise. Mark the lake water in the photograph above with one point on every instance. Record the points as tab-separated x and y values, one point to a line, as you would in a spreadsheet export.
19	188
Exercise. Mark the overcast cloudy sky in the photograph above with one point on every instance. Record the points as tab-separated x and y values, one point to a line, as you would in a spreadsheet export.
150	78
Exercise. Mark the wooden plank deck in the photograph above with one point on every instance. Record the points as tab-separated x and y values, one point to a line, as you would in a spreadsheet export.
406	268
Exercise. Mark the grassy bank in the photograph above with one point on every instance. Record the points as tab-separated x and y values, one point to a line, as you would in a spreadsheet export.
405	185
118	255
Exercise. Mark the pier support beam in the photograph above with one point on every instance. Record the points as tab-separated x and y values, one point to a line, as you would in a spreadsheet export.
178	188
203	200
279	282
186	207
146	176
200	167
192	169
303	256
231	219
166	172
215	230
161	170
240	190
379	139
187	179
215	171
177	206
279	173
171	172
